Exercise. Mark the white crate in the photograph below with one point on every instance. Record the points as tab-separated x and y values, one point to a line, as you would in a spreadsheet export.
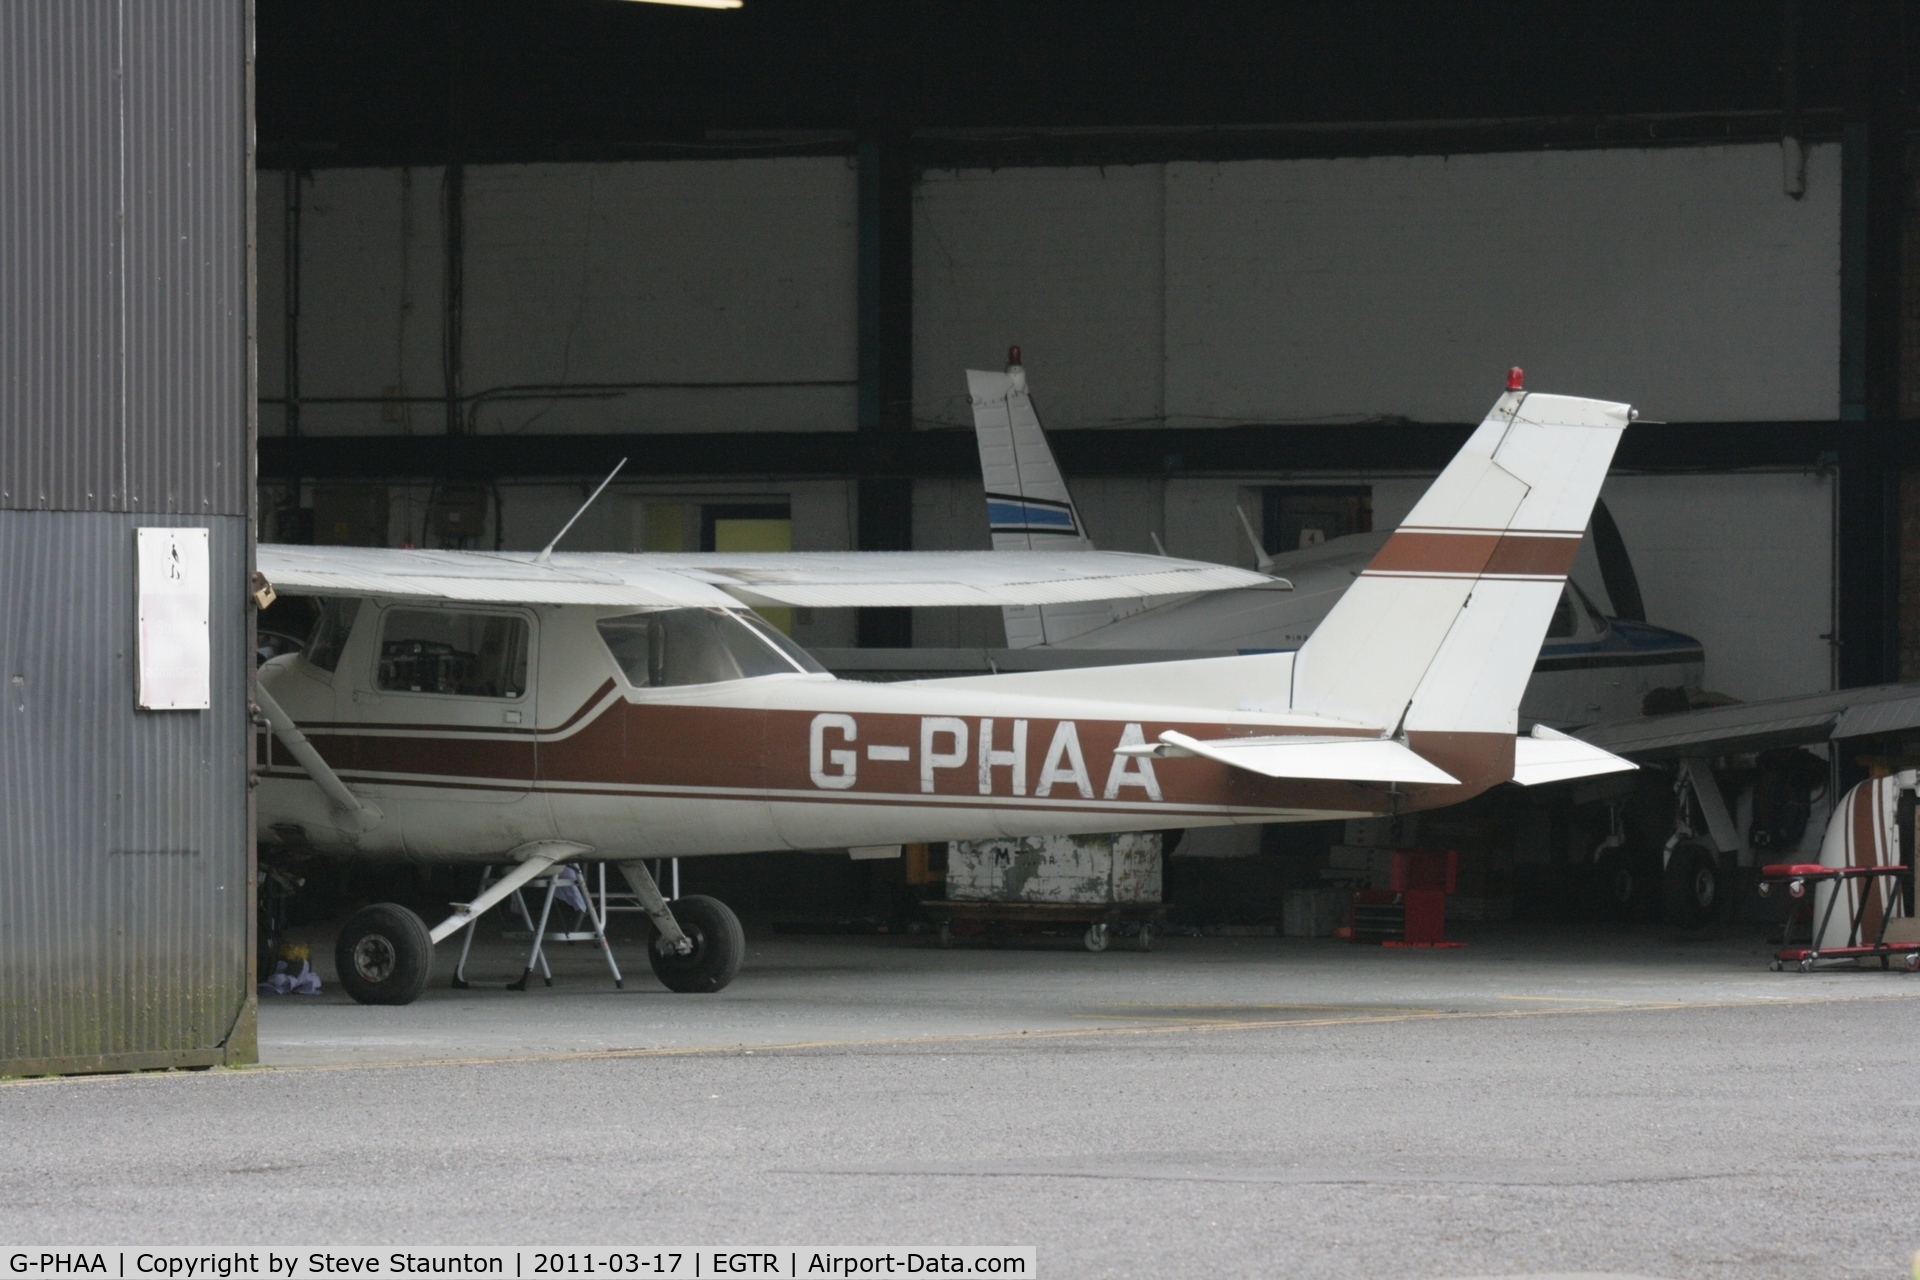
1072	869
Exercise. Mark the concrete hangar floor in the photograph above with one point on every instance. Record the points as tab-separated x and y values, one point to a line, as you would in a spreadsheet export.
1537	1103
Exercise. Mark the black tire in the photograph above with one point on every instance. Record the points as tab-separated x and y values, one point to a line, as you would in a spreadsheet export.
1615	886
383	955
1695	889
718	945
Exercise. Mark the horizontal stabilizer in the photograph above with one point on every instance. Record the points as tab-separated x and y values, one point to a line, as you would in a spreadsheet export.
1334	759
1550	756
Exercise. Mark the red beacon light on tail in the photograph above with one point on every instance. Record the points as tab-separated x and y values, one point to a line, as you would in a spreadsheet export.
1013	356
1516	379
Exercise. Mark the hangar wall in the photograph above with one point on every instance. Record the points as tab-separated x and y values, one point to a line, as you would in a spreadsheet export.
125	402
1272	291
720	295
645	296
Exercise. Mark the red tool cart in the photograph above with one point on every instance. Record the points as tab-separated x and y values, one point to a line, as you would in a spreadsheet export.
1412	910
1798	875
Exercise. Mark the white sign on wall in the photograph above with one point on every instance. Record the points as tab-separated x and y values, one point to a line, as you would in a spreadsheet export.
176	659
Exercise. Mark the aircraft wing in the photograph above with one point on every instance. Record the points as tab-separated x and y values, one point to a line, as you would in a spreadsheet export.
1757	726
478	576
803	579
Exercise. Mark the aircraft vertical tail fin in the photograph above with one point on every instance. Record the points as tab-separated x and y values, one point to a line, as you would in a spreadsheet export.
1028	506
1438	636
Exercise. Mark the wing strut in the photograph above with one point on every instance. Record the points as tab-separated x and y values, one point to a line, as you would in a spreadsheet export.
363	815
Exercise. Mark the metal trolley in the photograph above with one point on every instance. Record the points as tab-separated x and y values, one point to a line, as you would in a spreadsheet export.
1099	917
1798	875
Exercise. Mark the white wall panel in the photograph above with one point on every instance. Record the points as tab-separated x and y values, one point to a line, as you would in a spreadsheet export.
270	298
270	287
1744	563
684	271
1200	522
950	514
1063	262
1121	513
371	264
1680	279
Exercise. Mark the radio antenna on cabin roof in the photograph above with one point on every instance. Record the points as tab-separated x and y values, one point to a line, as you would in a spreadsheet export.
546	556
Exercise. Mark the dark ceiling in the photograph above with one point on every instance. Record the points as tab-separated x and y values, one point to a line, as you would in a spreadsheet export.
367	81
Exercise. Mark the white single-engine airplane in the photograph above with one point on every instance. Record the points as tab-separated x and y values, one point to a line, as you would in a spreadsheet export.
485	708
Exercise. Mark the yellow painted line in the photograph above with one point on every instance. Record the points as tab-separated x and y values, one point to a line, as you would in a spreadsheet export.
1638	1004
1204	1004
1356	1016
982	1037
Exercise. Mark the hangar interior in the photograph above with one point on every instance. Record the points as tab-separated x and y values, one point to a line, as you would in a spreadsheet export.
432	268
1251	262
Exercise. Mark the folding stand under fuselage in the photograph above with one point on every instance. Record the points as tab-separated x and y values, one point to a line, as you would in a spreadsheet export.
536	953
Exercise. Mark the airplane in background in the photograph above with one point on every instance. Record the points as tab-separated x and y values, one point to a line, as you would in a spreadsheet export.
524	711
1591	667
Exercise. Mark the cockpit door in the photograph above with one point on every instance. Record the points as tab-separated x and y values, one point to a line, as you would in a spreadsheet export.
443	699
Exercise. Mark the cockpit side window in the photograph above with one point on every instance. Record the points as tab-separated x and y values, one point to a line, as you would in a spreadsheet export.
330	631
697	646
683	649
475	655
627	640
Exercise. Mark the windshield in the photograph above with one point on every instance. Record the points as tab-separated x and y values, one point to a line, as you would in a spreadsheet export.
699	646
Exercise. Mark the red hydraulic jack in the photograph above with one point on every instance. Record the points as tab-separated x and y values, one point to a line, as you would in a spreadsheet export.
1421	881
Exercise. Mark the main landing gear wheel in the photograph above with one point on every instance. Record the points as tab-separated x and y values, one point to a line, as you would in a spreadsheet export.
718	944
1614	885
1694	890
383	955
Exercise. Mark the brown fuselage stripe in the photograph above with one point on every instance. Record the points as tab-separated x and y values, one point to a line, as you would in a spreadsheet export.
674	746
1475	554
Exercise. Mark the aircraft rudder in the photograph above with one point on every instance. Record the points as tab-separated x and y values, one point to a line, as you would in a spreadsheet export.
1440	632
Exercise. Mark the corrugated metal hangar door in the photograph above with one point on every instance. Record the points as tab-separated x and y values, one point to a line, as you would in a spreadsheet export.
125	841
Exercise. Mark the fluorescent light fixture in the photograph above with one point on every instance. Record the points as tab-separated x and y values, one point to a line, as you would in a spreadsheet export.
697	4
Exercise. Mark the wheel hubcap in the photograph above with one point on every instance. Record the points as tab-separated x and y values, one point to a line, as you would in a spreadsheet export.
1704	887
697	940
374	958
